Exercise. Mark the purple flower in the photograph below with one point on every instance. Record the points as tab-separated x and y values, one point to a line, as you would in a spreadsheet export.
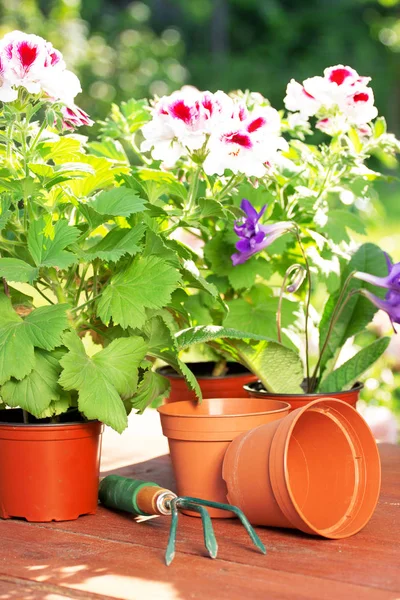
391	304
390	282
253	236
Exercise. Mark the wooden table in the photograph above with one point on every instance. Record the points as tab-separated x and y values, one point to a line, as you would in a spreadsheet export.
111	556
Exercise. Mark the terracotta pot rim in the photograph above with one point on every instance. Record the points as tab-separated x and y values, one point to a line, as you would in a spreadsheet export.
174	375
357	387
163	410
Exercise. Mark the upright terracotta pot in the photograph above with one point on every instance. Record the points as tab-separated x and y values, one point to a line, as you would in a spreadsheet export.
317	470
49	472
199	435
225	386
256	390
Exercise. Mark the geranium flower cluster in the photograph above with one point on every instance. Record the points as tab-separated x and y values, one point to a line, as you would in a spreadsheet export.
341	99
216	127
30	62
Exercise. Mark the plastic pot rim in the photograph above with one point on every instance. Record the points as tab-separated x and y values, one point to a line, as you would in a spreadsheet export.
358	386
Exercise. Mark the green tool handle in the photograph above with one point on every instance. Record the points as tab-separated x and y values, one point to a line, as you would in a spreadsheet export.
134	495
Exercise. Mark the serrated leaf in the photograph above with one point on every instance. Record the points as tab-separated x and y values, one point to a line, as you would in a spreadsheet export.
147	283
349	372
47	247
119	202
258	319
38	389
100	380
16	351
152	389
358	311
14	269
42	328
45	325
117	243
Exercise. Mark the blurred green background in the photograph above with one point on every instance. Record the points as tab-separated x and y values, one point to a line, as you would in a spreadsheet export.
122	49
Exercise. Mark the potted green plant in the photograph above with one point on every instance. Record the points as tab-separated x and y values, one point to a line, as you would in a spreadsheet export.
279	256
86	276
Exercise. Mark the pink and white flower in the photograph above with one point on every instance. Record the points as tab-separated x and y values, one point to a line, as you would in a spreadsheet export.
340	99
73	117
247	147
29	61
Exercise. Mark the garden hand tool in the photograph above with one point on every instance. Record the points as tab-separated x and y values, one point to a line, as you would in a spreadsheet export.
147	498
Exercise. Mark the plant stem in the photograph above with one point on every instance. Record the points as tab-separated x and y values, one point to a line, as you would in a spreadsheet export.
308	302
37	136
334	318
191	203
228	186
43	295
81	284
85	303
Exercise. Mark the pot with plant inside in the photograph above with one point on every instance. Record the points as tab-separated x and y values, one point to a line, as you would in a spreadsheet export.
83	288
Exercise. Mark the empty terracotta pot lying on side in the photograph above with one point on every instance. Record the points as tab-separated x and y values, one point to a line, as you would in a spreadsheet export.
229	385
255	389
199	435
317	470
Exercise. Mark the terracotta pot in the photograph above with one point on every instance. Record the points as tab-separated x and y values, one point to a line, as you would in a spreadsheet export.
226	386
317	470
48	472
199	435
256	390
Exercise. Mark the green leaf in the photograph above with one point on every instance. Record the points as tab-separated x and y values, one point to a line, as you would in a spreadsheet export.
48	249
118	202
103	378
152	389
38	389
45	325
147	283
279	368
163	344
111	149
16	351
42	328
349	372
117	243
193	275
14	269
259	319
355	140
359	311
379	127
339	221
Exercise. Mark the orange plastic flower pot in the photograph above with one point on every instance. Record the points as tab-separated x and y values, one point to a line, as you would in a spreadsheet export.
226	386
49	472
199	435
256	390
317	470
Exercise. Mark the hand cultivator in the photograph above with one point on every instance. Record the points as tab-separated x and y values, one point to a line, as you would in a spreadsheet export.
147	498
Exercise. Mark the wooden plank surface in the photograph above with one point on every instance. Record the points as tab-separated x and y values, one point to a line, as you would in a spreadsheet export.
109	555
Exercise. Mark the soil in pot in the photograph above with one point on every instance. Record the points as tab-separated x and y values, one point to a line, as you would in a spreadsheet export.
48	471
199	435
317	470
255	389
229	385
